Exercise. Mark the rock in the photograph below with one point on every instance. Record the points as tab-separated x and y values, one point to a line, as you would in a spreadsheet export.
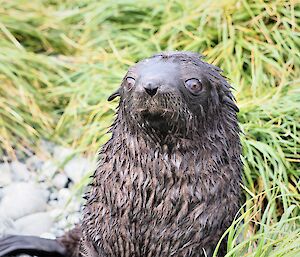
55	212
5	174
19	171
53	196
48	170
49	207
20	199
47	147
74	218
48	235
34	224
61	154
64	196
6	226
34	163
76	168
60	180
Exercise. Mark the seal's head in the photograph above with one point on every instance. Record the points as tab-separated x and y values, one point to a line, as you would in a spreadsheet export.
169	92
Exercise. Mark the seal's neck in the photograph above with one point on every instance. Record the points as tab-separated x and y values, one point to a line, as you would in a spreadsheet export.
130	149
212	137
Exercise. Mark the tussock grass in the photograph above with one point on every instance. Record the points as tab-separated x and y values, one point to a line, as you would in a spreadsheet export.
59	61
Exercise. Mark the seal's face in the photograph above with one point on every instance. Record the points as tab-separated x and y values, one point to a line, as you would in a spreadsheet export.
170	92
162	93
154	79
151	91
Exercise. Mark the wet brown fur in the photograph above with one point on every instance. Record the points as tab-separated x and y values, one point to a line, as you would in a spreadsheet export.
167	193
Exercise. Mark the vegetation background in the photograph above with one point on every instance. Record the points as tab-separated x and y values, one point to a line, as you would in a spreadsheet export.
59	61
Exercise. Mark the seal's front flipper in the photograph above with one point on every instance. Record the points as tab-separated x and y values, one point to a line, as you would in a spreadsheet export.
14	245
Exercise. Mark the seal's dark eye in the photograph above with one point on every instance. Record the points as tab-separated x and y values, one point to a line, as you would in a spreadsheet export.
193	85
129	82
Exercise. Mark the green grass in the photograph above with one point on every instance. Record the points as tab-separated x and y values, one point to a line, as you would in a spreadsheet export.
59	61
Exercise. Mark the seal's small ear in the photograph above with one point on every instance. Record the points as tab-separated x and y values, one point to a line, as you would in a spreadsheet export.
229	100
114	95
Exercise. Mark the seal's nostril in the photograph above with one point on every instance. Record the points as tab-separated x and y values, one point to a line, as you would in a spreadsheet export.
151	91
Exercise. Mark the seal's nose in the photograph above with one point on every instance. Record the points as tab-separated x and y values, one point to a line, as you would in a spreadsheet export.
151	89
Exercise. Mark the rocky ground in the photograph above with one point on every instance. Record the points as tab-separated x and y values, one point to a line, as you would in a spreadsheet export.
42	196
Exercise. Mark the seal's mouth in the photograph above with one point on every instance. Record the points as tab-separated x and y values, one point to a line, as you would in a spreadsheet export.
156	120
156	115
156	112
160	121
152	117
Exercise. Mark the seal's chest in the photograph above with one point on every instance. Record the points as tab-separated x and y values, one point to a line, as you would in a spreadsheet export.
151	222
160	208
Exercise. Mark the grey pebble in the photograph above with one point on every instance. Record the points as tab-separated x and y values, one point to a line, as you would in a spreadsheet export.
20	199
5	174
19	171
47	146
45	208
48	169
64	196
77	168
34	224
34	163
60	180
6	226
61	154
